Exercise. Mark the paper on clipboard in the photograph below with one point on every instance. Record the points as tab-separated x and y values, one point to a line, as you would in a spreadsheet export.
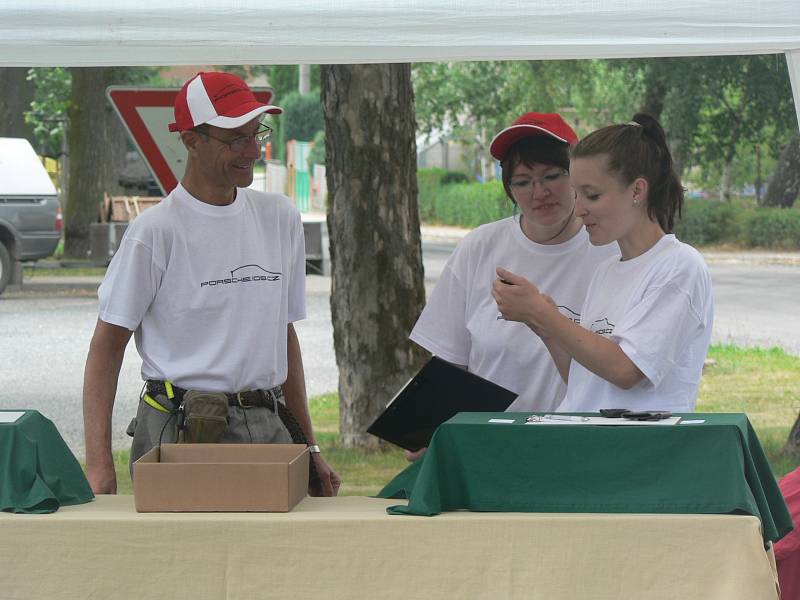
602	421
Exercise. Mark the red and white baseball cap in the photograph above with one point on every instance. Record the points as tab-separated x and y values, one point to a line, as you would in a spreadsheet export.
219	99
530	125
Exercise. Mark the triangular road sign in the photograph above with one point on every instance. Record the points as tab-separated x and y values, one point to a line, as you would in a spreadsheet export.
146	113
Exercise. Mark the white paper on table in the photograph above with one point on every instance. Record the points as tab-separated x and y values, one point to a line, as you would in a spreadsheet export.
10	416
605	421
501	420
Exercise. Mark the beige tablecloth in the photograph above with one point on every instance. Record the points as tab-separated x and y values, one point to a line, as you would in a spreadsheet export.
350	548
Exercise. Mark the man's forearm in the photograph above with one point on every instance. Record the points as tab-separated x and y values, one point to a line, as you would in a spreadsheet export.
294	388
99	390
100	379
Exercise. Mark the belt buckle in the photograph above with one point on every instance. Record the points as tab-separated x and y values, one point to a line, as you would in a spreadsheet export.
239	400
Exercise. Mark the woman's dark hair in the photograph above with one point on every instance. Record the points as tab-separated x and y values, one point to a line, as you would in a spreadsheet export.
541	149
639	149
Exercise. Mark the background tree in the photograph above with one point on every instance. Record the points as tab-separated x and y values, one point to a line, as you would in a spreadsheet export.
302	116
97	145
723	128
15	101
373	223
784	187
285	81
470	102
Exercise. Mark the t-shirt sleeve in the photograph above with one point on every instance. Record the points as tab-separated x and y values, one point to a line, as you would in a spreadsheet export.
442	327
657	330
297	277
130	284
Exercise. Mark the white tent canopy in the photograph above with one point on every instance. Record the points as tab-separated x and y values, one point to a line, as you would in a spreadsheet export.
153	32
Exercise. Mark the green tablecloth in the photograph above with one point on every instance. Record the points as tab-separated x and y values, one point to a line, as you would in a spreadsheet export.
714	467
38	473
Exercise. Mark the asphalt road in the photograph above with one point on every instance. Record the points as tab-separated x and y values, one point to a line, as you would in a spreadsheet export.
44	337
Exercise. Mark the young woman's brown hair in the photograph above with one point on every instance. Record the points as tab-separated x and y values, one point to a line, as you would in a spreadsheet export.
639	149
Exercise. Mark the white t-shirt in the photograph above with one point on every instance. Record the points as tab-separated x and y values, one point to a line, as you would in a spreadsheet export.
461	323
659	308
210	290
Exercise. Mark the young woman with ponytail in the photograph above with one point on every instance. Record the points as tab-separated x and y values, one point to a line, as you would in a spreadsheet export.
646	322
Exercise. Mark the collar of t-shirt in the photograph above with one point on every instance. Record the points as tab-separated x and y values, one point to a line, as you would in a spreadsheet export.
665	243
181	195
576	240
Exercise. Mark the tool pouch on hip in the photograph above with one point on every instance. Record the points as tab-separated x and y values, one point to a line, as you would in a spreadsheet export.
206	417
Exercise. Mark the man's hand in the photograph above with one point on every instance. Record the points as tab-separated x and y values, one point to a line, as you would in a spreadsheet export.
103	480
329	480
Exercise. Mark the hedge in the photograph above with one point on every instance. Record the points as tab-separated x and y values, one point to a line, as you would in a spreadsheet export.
703	222
460	204
772	228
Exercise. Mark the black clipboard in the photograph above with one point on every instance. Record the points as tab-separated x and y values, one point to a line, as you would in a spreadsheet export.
438	392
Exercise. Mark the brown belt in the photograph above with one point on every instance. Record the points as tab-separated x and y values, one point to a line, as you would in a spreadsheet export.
248	399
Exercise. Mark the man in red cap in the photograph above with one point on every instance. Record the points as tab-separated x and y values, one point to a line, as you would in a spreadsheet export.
209	282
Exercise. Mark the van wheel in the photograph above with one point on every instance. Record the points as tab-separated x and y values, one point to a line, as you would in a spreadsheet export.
5	267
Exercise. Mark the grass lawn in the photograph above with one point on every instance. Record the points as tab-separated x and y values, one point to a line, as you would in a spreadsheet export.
37	272
762	383
765	384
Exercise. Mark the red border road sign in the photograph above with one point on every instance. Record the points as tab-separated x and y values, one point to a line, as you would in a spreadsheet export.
146	112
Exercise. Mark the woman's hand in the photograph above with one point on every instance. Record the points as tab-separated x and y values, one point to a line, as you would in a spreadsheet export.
519	300
413	456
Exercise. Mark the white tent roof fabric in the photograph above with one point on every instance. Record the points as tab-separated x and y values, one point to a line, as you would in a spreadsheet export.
152	32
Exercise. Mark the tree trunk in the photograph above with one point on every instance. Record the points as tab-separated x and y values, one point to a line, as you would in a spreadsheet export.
654	93
792	445
759	178
96	141
377	287
784	187
14	101
725	183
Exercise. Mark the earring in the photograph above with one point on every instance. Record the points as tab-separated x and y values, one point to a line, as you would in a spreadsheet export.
635	201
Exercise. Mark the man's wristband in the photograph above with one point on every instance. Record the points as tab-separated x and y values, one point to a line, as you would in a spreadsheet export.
313	449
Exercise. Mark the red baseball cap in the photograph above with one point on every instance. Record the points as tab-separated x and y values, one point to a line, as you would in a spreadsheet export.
219	99
530	125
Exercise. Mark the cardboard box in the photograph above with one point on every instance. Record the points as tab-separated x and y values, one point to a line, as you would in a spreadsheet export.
221	477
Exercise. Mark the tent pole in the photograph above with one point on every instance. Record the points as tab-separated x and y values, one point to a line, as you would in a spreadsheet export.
793	61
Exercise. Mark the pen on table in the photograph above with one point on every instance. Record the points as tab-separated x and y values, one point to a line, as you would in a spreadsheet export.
565	418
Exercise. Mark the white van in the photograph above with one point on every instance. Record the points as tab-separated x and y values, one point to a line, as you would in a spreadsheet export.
30	213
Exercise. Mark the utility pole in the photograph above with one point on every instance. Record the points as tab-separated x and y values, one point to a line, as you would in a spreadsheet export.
304	83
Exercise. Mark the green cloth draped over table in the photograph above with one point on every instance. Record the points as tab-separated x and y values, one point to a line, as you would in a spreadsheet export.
38	473
717	467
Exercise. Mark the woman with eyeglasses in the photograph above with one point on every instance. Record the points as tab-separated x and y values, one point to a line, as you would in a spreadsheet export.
544	240
646	322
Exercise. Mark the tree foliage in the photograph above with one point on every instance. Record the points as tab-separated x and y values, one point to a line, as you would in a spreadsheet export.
470	102
47	113
727	117
302	116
